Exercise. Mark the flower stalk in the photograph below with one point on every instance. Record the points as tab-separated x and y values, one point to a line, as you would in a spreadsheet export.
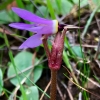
44	41
54	59
53	88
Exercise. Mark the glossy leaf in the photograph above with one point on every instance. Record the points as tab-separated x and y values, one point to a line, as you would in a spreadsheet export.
77	51
23	60
36	74
32	93
6	17
63	10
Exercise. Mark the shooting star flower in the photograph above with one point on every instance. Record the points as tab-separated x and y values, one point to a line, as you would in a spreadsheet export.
39	25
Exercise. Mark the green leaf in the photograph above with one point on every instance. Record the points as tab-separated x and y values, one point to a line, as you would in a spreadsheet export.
77	51
6	17
66	60
36	74
32	93
44	10
51	10
66	7
14	16
30	7
22	61
20	3
1	81
1	35
97	3
58	2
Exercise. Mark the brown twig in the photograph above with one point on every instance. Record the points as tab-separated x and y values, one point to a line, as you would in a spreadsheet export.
45	90
60	93
9	32
70	95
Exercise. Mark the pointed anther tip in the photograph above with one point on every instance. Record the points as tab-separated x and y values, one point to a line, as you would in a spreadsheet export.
23	47
10	25
15	9
20	47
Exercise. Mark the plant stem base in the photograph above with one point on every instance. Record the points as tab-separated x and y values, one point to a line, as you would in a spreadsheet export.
53	89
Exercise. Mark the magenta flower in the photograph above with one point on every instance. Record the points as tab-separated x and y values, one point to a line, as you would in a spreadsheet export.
39	26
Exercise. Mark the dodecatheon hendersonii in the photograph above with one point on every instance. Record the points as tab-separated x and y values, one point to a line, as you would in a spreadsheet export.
39	26
42	29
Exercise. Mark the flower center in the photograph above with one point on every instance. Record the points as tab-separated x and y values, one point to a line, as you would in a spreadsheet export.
61	27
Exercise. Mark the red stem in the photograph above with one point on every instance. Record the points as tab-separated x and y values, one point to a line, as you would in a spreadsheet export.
46	48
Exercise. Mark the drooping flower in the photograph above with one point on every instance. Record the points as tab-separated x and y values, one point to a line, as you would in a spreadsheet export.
39	26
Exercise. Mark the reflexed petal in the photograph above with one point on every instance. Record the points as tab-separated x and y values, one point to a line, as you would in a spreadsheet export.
32	42
20	25
28	27
46	29
30	16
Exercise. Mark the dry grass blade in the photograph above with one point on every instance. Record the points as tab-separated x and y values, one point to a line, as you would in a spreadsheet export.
60	93
70	95
79	85
78	72
41	98
13	95
71	27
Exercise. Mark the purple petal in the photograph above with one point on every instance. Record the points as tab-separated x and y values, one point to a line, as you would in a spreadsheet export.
30	16
32	42
24	26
